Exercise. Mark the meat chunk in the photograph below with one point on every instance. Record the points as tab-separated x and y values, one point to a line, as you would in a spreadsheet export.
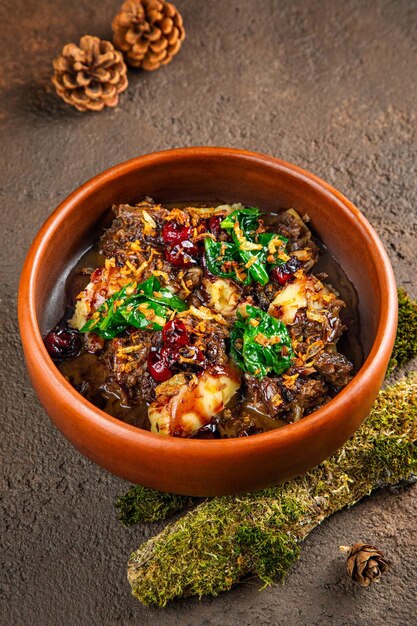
207	336
216	350
307	293
288	398
334	367
184	282
126	359
264	395
302	245
262	295
133	223
308	394
303	328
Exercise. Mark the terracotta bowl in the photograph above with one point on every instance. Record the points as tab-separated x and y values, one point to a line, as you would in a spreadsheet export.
188	466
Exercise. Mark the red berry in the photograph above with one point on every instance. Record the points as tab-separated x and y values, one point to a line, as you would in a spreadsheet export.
174	233
159	364
214	224
62	343
284	273
280	276
183	254
174	334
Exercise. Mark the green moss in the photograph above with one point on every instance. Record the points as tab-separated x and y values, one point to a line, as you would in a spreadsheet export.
224	539
397	455
405	347
271	553
139	504
213	541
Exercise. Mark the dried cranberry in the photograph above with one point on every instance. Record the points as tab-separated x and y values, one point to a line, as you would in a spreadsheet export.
62	343
174	233
284	273
183	254
280	275
214	224
175	334
159	364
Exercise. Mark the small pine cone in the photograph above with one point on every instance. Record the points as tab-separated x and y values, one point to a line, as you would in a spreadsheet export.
90	76
149	32
364	563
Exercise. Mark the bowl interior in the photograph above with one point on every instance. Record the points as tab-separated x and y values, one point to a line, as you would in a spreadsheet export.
252	180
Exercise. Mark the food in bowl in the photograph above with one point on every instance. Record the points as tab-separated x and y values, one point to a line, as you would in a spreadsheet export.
187	465
206	321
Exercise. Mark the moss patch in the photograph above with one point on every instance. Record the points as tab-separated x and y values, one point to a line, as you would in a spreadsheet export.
139	504
405	347
270	552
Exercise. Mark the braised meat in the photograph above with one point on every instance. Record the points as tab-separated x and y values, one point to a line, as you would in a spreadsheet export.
289	398
132	223
126	359
334	368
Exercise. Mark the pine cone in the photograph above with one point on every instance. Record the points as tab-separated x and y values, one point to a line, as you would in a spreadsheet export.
90	76
365	563
149	32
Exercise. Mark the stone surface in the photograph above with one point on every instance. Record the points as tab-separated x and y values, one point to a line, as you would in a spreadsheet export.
330	86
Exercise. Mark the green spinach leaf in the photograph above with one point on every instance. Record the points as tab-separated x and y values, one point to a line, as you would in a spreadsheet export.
122	310
260	344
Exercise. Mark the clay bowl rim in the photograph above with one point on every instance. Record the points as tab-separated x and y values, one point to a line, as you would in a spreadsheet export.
32	339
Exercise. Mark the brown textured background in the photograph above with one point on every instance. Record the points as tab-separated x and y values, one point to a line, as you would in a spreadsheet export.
329	85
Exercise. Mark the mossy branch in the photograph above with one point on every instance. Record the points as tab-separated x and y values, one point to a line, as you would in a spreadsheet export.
224	539
139	504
